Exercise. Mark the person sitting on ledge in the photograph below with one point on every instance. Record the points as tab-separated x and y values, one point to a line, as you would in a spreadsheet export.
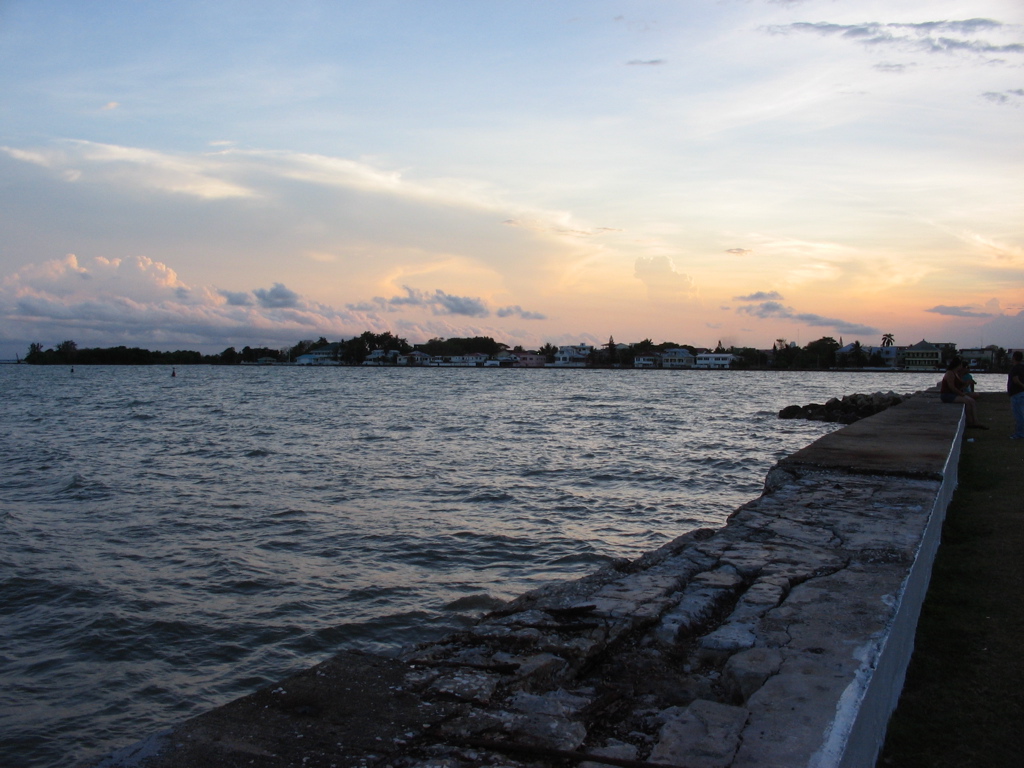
951	390
1015	389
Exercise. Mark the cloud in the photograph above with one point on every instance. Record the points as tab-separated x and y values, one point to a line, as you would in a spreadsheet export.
739	251
942	309
412	298
204	176
440	303
760	296
110	105
1005	330
140	301
322	209
1009	96
663	282
928	36
446	304
557	225
518	311
238	298
774	309
885	66
139	276
645	62
1000	251
377	304
278	297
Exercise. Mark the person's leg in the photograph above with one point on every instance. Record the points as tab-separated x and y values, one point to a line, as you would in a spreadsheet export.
972	411
1017	406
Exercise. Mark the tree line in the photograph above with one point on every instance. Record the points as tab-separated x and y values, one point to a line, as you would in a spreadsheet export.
822	354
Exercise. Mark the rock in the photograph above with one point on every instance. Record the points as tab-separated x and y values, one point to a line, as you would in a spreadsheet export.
700	601
557	703
727	639
791	412
704	735
614	748
472	686
746	671
847	410
546	731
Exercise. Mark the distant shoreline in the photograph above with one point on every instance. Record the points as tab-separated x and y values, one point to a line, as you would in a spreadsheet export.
481	367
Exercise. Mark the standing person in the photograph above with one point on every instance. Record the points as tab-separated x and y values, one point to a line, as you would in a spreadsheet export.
951	390
1015	389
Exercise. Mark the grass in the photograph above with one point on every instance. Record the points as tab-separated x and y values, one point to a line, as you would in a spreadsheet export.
963	702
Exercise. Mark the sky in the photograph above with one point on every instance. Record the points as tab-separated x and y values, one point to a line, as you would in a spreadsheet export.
197	175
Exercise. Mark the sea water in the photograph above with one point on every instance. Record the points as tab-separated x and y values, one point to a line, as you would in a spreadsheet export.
169	544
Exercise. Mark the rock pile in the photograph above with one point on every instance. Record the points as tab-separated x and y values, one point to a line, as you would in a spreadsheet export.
849	409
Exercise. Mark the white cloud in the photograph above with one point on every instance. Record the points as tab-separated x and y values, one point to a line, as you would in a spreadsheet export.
203	176
931	37
663	281
329	210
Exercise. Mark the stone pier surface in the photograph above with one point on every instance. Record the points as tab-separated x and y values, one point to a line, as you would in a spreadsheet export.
776	641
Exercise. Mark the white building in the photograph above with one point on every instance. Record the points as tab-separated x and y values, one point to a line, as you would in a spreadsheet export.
714	360
320	356
652	360
574	356
474	360
415	358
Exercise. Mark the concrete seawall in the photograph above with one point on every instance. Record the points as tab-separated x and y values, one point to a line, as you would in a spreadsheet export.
778	640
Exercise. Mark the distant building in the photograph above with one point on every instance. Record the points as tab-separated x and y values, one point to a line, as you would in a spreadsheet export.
984	357
530	360
922	357
326	355
473	360
382	357
678	358
890	355
714	360
416	357
573	356
651	360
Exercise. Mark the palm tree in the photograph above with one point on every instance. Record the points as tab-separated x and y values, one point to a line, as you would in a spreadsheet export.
857	355
888	340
